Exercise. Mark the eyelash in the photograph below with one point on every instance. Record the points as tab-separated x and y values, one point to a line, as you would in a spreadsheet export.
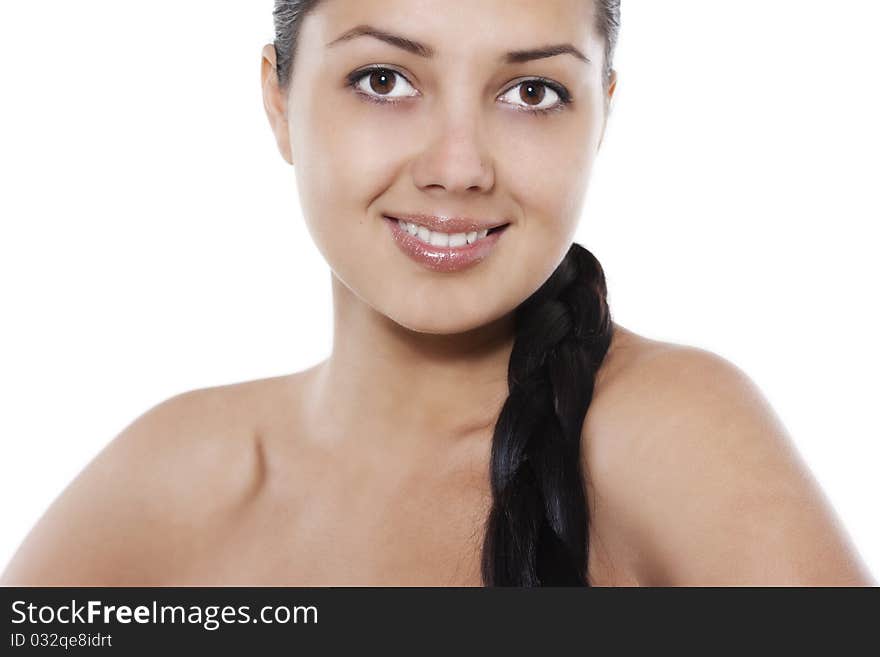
564	97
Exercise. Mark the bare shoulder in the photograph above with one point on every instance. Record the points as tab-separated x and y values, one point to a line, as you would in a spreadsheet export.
156	494
696	480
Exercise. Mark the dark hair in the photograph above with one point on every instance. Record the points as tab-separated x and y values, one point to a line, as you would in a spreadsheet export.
537	530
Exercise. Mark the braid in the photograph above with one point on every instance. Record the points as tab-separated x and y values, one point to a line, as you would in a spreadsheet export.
537	529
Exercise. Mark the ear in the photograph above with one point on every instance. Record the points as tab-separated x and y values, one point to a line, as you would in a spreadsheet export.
275	102
612	86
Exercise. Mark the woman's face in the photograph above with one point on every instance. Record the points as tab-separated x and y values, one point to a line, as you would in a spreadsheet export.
453	134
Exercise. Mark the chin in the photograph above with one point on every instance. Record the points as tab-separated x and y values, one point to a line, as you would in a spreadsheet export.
438	322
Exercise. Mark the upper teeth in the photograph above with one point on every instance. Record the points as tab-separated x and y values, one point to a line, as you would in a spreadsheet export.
436	238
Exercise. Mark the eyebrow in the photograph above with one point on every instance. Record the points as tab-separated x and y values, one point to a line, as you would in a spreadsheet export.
422	50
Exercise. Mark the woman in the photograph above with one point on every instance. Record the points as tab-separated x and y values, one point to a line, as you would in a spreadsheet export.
480	420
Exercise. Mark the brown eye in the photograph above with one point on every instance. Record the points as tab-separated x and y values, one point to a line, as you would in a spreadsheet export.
378	84
381	82
533	96
532	93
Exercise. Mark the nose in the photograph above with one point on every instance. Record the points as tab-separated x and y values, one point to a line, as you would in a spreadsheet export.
455	159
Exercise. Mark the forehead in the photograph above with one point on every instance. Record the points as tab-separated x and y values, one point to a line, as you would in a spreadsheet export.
453	27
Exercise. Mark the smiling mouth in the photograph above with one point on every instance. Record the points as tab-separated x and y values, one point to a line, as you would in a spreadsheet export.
444	252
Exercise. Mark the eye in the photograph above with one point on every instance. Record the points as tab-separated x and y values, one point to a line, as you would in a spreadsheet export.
377	83
534	96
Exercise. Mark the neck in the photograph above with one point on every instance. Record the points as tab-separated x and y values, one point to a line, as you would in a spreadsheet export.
390	385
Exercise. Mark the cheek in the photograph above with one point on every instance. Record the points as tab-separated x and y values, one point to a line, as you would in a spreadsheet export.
350	152
336	164
547	173
346	157
548	169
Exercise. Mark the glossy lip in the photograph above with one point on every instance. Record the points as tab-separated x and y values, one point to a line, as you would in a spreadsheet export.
443	259
449	225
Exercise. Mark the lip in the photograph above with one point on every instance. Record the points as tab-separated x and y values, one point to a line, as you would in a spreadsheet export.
444	259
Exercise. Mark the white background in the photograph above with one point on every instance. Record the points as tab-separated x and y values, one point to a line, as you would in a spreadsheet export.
151	239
